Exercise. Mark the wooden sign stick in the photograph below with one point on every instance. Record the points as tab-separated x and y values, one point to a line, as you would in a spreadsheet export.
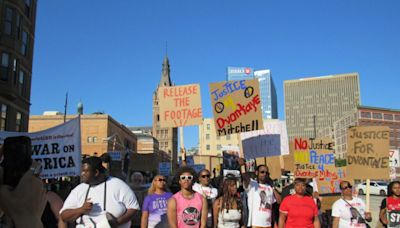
367	199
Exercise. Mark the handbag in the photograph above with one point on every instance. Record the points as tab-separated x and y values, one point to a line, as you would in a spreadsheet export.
104	222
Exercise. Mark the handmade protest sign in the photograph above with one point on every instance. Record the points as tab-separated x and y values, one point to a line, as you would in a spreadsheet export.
57	149
367	153
180	105
315	159
271	141
236	106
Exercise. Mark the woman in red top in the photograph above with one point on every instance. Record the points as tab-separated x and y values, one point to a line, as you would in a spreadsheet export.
298	210
391	205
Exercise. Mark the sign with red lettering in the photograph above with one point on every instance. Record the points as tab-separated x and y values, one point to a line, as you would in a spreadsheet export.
367	152
180	105
236	106
316	159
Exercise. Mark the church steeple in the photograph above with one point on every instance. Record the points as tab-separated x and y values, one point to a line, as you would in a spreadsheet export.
165	73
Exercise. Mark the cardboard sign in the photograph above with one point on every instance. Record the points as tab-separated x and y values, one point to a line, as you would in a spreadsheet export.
236	106
180	105
271	141
316	159
57	149
367	153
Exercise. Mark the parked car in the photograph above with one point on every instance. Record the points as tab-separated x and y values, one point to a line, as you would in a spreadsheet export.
375	187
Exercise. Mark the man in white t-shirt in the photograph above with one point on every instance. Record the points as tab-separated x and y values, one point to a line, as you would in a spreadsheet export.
100	199
260	197
344	210
207	191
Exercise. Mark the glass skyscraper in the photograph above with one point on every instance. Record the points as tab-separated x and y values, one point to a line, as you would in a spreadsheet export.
267	88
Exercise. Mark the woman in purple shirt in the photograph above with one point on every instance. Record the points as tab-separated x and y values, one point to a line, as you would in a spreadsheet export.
154	211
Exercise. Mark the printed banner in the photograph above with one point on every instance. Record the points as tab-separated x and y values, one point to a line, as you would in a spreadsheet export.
236	106
57	149
316	159
393	218
367	153
180	105
271	141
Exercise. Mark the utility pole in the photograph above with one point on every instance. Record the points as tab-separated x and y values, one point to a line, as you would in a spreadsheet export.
65	107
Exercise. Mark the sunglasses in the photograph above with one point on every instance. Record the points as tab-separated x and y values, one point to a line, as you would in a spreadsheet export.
161	180
183	177
347	187
262	172
204	176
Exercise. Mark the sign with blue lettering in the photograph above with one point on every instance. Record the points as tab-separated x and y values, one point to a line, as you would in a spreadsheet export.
164	168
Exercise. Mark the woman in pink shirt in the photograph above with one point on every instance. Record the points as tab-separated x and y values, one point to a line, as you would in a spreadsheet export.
187	208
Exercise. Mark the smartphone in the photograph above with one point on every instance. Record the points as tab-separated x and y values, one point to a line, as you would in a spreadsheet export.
17	152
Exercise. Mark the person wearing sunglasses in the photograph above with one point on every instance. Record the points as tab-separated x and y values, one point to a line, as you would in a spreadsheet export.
207	191
261	195
349	211
187	208
298	210
154	210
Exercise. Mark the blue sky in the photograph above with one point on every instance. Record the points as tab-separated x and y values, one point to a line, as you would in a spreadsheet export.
109	53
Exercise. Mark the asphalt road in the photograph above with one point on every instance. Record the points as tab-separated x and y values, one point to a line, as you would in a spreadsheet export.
375	203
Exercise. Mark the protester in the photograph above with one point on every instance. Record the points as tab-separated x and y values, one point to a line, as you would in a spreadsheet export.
390	206
349	211
228	208
298	210
22	204
187	208
100	199
50	217
261	195
207	191
137	186
154	210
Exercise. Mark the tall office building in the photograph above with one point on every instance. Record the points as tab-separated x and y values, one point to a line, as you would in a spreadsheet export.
167	137
269	104
17	32
315	103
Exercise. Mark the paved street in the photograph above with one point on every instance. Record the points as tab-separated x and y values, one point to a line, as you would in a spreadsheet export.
374	208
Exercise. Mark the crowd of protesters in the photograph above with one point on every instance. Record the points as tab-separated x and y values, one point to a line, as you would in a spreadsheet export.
191	200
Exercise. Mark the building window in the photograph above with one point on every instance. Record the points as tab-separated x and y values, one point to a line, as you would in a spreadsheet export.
18	27
18	120
207	147
158	117
166	144
89	139
8	21
28	7
94	139
377	115
3	117
24	44
5	59
228	137
397	117
366	115
208	126
15	71
207	136
388	116
219	147
21	79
